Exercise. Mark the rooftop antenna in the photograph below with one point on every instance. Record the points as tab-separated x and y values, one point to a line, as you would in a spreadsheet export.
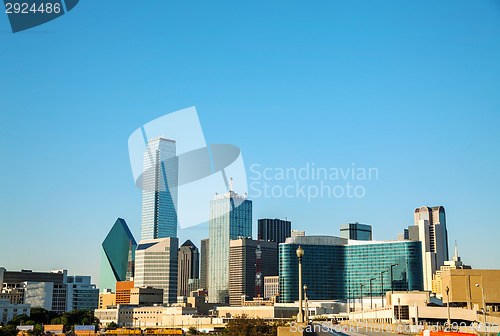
230	184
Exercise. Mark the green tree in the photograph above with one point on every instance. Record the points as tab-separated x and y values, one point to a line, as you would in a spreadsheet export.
111	326
8	330
20	319
37	330
244	326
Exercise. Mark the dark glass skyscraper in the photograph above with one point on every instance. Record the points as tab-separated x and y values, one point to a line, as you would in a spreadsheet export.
117	254
188	268
276	230
159	190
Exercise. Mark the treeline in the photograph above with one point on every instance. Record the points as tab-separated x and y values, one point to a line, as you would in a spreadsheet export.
244	326
39	317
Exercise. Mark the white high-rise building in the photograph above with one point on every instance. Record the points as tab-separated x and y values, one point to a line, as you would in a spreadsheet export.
156	266
430	230
159	185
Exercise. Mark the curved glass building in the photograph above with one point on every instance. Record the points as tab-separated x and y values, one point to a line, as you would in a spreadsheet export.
335	268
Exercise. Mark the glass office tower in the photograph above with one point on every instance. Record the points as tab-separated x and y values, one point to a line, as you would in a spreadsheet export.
335	268
322	271
365	261
356	231
230	218
276	230
117	254
159	190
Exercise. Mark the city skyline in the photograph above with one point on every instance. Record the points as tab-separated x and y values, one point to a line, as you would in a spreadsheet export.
346	86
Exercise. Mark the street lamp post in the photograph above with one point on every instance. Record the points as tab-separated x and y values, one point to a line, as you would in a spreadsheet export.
484	304
392	289
399	310
354	299
371	295
300	315
447	289
362	306
382	286
306	306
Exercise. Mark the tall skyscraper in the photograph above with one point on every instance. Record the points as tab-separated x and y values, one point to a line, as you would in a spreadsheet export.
356	231
430	229
242	262
189	267
230	218
156	266
276	230
204	263
159	190
117	255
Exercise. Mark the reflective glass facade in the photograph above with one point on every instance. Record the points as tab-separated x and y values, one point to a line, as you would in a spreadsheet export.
364	262
117	250
276	230
334	270
230	218
159	190
356	231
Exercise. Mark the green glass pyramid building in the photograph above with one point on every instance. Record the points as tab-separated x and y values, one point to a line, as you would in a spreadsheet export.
117	256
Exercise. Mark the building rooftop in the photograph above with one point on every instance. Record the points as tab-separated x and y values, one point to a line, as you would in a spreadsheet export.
160	139
333	240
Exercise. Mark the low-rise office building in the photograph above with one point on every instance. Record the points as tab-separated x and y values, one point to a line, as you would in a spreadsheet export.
8	311
263	312
143	317
123	291
455	263
81	293
146	296
54	290
418	307
107	298
271	286
466	288
14	295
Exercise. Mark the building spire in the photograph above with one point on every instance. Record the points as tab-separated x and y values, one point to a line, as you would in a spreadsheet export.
456	257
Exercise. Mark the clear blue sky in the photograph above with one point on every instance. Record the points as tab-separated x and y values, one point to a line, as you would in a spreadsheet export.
411	88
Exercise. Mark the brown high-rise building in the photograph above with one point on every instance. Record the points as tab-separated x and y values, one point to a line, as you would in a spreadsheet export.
188	267
243	264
